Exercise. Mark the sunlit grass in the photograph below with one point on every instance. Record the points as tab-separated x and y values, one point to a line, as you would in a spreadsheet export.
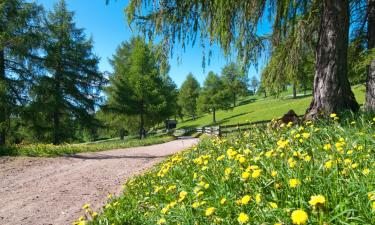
257	108
49	150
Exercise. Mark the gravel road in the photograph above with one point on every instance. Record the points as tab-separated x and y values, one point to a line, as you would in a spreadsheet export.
52	190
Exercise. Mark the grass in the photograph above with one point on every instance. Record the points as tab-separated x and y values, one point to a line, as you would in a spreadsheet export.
49	150
255	108
320	173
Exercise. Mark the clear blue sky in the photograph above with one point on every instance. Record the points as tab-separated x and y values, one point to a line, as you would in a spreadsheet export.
108	27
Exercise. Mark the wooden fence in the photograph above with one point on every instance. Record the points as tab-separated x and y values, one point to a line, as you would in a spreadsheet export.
223	130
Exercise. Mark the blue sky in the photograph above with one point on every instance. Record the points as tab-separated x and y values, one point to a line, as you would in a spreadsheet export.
108	27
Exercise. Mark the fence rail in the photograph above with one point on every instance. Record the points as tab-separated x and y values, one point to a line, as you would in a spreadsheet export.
226	129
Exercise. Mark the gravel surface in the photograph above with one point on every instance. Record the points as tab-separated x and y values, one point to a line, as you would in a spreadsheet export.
52	190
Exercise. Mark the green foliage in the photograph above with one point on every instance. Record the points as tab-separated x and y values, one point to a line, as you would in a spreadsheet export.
214	95
234	81
137	88
50	150
188	96
266	174
64	98
20	35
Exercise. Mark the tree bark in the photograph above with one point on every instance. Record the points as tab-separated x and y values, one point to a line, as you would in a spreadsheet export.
142	134
214	115
294	90
332	92
370	83
2	107
56	114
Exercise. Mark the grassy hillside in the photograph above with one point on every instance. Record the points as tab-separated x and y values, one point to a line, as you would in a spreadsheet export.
256	108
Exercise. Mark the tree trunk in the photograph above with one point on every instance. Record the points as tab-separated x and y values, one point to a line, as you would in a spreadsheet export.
265	93
142	134
56	116
2	107
234	100
294	90
214	115
332	92
370	83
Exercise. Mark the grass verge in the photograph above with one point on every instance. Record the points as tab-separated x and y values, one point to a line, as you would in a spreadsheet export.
319	173
49	150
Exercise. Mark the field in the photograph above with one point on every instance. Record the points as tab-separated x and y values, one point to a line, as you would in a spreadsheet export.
257	108
319	173
49	150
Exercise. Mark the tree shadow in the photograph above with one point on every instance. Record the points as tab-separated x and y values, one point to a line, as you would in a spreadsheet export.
288	97
226	119
247	101
100	156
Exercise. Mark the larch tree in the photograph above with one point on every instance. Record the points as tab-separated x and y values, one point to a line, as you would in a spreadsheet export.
233	25
235	81
370	83
137	87
20	25
214	95
67	93
188	96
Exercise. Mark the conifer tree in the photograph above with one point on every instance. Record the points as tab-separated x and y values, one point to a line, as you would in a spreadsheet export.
66	95
188	96
19	40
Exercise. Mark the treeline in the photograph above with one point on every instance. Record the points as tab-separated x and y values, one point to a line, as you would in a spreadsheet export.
49	79
218	92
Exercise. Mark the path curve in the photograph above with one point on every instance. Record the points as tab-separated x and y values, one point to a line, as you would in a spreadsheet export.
52	190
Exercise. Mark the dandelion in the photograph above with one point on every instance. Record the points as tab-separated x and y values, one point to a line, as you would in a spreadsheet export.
328	164
210	211
366	171
317	199
299	217
258	198
220	158
245	175
273	205
161	221
245	199
293	183
274	173
86	206
227	171
94	214
327	147
182	196
223	201
243	218
256	173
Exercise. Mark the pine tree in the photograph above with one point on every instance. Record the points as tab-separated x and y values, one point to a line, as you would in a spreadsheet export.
19	40
235	81
188	96
66	95
137	87
214	95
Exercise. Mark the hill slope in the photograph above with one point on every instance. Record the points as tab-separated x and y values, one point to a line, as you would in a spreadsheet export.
256	108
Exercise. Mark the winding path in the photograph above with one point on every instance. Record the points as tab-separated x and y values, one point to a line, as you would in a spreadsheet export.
52	190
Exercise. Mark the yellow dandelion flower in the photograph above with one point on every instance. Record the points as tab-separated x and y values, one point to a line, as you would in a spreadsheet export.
274	173
228	171
223	201
258	198
328	164
245	175
333	115
86	206
273	205
220	158
243	218
195	205
317	199
210	211
366	171
299	217
256	173
293	183
245	199
161	221
182	196
327	147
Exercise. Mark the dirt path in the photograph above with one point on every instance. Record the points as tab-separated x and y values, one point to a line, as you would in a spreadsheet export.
52	190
